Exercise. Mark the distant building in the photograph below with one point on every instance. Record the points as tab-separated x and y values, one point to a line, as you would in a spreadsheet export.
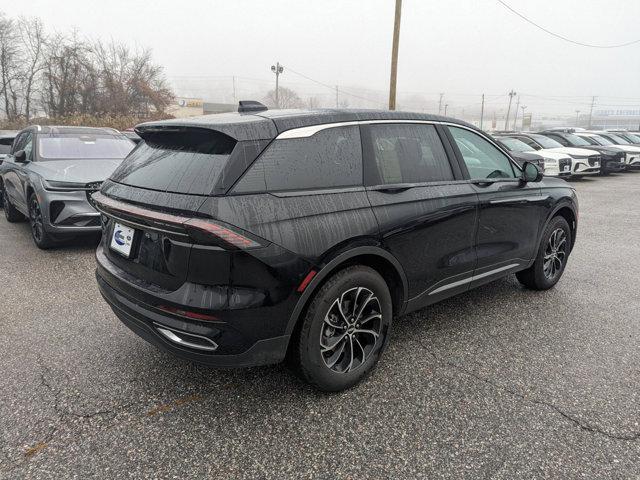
210	107
192	107
616	118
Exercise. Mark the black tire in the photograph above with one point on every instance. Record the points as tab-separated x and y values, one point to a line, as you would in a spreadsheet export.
41	237
550	261
355	355
10	212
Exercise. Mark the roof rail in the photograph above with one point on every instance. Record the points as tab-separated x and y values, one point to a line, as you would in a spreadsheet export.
245	106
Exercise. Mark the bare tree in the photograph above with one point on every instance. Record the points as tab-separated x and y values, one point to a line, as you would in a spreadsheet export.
9	61
33	39
129	81
287	98
69	79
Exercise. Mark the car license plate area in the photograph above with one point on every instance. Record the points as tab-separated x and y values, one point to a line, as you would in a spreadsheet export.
122	239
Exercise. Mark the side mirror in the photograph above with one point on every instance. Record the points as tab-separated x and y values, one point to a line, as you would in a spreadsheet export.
531	172
20	156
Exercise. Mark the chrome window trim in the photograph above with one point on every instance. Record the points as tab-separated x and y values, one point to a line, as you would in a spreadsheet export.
306	132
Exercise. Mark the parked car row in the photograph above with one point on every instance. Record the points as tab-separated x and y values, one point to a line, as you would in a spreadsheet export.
575	152
243	239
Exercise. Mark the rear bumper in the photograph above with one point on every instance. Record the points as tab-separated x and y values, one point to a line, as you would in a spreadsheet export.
244	334
145	322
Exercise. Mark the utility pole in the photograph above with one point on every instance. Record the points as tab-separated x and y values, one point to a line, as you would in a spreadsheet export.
523	107
482	112
337	104
394	56
440	104
445	109
593	102
512	94
515	118
235	97
577	116
277	69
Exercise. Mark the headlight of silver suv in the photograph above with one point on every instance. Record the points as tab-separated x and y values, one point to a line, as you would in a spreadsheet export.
56	186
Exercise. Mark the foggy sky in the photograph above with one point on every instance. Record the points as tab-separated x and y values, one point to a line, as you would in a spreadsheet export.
460	47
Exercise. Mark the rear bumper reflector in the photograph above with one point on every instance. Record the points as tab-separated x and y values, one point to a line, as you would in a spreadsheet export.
303	285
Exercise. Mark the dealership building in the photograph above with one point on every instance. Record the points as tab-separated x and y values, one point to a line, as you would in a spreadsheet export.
627	119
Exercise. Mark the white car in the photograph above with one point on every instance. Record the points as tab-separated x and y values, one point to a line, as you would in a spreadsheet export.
555	164
632	151
583	161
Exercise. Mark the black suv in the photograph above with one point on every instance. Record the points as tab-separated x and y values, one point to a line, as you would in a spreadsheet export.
241	239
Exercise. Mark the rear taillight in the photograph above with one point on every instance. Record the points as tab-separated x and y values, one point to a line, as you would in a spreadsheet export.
201	230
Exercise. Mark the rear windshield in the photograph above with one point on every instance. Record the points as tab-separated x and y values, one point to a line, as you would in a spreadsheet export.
87	147
182	161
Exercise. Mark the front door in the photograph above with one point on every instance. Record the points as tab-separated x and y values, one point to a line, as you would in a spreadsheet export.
15	176
510	210
426	211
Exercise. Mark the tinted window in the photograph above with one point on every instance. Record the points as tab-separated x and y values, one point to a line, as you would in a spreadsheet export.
575	140
4	149
513	144
331	158
546	142
19	140
409	153
179	162
483	160
27	145
561	140
85	147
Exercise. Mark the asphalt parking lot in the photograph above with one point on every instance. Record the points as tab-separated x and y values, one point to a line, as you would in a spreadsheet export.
497	383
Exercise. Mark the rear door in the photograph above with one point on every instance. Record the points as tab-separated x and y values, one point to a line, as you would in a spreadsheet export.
426	211
510	211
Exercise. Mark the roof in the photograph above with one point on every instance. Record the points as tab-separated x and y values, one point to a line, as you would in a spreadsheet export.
269	123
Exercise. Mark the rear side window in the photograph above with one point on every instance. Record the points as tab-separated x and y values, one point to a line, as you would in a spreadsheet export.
331	158
182	161
409	153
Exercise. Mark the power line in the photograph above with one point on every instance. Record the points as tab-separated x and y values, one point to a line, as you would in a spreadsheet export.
333	87
562	37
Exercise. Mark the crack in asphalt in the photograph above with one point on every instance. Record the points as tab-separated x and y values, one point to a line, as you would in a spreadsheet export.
586	427
62	416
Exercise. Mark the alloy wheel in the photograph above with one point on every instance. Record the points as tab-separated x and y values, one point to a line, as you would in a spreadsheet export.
35	218
351	330
555	253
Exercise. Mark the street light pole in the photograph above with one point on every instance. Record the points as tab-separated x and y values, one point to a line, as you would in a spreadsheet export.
277	69
515	118
512	94
482	112
446	105
394	56
523	107
577	116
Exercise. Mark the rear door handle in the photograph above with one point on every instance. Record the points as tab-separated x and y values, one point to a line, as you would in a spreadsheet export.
394	189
